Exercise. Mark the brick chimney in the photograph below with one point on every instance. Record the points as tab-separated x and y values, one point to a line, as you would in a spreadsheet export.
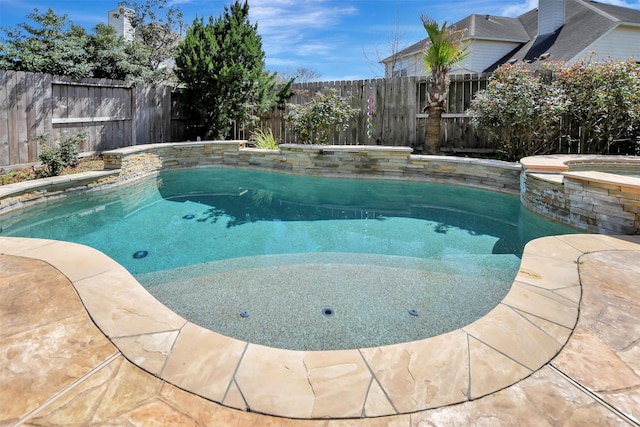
551	16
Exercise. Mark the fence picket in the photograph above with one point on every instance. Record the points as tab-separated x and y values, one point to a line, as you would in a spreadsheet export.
115	114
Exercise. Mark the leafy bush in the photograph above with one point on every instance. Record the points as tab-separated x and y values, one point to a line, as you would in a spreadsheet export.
520	111
604	102
321	118
588	104
56	158
264	139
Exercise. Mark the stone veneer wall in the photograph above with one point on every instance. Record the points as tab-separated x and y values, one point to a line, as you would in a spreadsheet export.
347	161
587	199
548	185
24	194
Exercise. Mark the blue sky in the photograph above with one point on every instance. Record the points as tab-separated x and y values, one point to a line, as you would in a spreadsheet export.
338	39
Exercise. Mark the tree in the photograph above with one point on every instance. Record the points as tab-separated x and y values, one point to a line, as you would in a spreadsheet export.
300	75
158	29
111	57
221	67
445	48
51	44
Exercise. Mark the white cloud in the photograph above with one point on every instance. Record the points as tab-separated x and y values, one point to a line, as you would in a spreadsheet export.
288	15
293	31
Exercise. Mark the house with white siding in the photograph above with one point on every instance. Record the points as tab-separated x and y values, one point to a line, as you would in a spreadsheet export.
558	30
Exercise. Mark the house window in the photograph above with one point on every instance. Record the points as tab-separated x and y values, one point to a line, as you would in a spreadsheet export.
400	68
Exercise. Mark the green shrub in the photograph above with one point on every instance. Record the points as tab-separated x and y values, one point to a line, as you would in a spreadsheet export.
520	111
264	139
604	102
55	158
588	104
317	121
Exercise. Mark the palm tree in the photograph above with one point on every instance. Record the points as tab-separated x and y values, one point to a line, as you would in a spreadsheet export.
445	48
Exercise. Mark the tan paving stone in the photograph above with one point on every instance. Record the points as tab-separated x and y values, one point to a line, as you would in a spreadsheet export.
206	368
129	388
626	401
155	413
118	393
275	381
513	335
548	273
491	370
14	266
120	306
340	380
553	247
77	261
377	403
593	364
611	306
587	243
39	363
614	273
543	399
559	333
620	242
542	303
148	351
423	374
34	297
631	356
392	421
78	404
18	245
234	398
573	293
204	411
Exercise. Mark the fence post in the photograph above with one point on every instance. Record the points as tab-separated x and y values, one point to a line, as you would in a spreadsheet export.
134	114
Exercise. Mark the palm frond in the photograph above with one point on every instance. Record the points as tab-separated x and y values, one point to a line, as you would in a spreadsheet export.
446	46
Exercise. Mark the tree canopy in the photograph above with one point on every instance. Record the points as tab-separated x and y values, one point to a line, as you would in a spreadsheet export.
53	44
50	44
220	65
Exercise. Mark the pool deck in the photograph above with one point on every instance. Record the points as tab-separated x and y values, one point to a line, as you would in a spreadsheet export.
82	343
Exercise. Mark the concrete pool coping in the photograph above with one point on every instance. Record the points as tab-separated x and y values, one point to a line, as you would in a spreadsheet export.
514	342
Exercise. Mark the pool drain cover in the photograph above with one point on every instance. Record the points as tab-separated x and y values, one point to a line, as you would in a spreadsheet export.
245	313
413	312
189	216
328	311
140	254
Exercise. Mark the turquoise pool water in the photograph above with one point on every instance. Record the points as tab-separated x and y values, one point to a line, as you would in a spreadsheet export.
303	262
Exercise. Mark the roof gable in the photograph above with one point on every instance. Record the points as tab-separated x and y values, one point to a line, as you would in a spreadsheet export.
488	27
585	22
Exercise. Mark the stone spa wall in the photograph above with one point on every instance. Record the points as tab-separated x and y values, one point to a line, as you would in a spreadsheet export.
583	191
573	190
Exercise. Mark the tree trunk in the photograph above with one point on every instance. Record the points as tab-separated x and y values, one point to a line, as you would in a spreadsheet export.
437	92
434	127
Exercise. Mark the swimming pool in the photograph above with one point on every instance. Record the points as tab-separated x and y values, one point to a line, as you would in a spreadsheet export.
315	263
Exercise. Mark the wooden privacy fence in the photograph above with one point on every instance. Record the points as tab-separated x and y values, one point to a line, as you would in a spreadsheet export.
113	114
390	112
116	114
